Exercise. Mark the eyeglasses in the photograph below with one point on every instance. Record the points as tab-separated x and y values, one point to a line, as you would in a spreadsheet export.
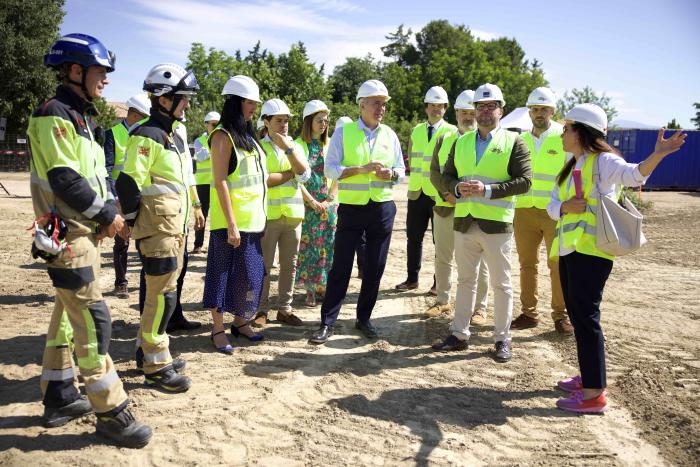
322	120
489	106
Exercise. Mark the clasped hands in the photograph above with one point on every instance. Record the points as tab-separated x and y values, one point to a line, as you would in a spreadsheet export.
378	168
474	188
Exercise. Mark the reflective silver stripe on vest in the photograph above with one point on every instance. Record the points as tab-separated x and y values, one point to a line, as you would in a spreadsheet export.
587	228
416	154
481	178
416	170
156	357
103	383
280	201
119	167
540	193
57	375
544	177
202	171
245	182
288	184
162	189
500	203
353	186
427	158
94	208
376	184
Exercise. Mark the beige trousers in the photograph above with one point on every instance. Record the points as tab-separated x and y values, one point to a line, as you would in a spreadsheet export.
284	232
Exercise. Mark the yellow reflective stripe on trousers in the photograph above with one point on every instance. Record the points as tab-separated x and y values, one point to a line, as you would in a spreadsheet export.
151	335
93	358
57	375
64	333
104	383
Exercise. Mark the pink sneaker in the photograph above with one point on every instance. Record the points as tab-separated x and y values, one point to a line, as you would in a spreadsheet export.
570	384
575	403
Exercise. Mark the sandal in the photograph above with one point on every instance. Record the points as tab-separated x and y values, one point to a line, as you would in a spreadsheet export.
310	301
236	332
227	349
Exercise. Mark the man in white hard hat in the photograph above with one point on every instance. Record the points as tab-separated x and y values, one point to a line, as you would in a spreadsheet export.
421	193
115	147
202	175
443	219
532	223
485	170
365	157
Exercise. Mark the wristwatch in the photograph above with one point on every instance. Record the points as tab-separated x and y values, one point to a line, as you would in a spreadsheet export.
289	150
394	175
197	204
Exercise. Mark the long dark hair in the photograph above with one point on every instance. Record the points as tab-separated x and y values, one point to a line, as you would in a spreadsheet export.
232	120
592	141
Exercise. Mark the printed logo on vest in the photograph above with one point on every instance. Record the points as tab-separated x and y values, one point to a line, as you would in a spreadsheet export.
552	152
144	151
496	150
59	132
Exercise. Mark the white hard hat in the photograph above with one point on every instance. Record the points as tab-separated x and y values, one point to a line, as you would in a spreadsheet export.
140	102
342	121
212	117
371	88
436	95
242	86
590	115
169	78
489	92
465	100
314	106
275	107
542	96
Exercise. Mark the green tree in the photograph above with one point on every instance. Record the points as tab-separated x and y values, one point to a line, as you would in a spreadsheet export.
27	30
583	96
673	125
348	77
696	120
107	117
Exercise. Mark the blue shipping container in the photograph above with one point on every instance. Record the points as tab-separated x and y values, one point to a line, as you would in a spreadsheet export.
679	171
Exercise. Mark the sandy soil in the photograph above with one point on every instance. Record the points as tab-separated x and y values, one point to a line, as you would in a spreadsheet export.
389	402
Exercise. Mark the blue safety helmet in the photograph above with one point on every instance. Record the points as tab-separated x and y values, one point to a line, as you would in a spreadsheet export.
81	49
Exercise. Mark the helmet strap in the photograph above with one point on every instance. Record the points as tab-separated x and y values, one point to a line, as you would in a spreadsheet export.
171	112
81	84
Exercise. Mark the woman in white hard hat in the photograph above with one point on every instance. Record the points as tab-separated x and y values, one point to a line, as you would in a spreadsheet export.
583	268
318	230
287	170
235	269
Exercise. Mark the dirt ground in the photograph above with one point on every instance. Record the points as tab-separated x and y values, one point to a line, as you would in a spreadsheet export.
388	402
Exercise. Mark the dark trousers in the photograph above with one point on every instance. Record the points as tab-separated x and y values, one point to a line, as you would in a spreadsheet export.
120	254
177	314
376	221
419	214
360	250
583	279
203	193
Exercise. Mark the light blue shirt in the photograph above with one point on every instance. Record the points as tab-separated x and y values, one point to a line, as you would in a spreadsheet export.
334	167
201	152
481	145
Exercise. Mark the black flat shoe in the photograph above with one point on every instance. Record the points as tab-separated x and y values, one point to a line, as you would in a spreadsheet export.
321	335
367	329
182	325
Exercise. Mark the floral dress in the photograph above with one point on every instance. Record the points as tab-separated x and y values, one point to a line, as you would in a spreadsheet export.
318	230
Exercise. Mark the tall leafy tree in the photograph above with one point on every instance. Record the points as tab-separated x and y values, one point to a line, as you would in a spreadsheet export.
583	96
27	30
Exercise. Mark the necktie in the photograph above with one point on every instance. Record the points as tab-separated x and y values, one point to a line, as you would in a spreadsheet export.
430	132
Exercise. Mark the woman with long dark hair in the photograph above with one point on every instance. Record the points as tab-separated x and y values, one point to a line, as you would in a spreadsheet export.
235	269
583	268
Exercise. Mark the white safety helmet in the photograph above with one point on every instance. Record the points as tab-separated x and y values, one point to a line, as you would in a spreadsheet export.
489	92
590	115
542	96
436	95
169	78
371	88
212	117
465	100
140	102
242	86
275	107
315	106
342	121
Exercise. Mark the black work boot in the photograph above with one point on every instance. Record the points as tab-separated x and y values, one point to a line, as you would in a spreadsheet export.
124	430
59	416
168	380
178	363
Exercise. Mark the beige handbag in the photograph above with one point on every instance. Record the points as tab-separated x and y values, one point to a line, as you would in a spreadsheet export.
618	223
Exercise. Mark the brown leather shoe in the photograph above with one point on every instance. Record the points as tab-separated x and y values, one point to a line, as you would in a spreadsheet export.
405	285
524	322
121	291
478	318
437	310
260	320
289	318
563	326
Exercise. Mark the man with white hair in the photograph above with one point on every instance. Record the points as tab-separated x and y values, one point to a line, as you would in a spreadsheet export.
365	157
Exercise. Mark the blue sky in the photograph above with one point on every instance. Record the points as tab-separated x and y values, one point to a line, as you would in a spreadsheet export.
645	55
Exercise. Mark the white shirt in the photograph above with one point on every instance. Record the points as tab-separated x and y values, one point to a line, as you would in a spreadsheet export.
333	167
281	157
613	171
189	169
554	127
201	152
